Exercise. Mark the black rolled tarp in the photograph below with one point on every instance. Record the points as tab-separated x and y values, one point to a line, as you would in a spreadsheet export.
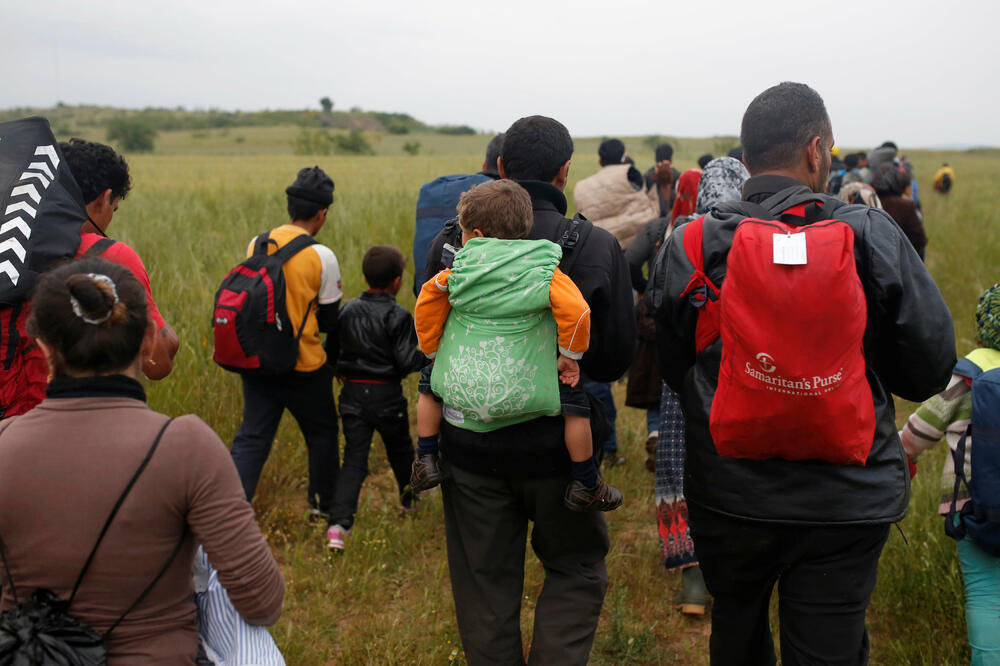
41	207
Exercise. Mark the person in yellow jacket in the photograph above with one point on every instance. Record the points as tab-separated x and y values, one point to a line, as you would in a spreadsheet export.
944	179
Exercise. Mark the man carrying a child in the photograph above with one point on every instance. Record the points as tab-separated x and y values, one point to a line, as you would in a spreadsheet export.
497	481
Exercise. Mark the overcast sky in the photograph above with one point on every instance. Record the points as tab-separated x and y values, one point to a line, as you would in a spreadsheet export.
919	72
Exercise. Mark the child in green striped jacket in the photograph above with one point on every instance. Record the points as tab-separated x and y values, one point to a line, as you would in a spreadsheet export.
947	415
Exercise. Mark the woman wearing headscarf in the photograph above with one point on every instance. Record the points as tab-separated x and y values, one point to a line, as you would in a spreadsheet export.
687	194
892	184
721	181
94	444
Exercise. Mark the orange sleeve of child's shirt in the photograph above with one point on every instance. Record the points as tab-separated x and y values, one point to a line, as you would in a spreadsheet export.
431	312
572	315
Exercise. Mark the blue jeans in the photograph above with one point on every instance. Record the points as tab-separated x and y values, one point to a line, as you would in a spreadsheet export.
981	574
602	391
652	420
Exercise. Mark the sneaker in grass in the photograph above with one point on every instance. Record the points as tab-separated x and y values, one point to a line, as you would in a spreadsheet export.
335	538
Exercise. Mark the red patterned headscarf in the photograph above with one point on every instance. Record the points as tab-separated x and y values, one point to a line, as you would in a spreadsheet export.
687	194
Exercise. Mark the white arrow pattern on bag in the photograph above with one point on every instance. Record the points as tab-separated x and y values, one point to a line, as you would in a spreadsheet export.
22	195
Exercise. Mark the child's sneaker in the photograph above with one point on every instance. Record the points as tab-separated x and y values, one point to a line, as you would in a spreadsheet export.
425	472
335	537
601	497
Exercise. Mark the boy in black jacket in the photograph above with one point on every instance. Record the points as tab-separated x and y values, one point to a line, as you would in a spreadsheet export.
378	348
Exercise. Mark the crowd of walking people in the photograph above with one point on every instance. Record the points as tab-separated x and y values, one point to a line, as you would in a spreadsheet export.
765	308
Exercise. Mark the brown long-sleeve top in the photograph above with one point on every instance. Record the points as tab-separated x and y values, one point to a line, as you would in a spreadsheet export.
62	467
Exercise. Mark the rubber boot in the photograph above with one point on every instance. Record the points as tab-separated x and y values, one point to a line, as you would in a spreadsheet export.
693	595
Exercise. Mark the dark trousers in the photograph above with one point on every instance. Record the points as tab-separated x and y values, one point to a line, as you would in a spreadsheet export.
825	578
309	397
365	409
486	525
602	391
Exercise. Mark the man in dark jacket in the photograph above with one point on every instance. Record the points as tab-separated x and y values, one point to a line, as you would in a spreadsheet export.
816	528
378	348
503	479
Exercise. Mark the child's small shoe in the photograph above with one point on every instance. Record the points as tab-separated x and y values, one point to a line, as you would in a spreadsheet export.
601	497
425	472
335	538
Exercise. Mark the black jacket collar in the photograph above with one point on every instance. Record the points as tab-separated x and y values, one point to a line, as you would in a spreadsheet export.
761	187
369	295
545	193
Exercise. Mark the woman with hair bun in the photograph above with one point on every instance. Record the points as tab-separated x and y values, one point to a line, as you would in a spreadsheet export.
64	465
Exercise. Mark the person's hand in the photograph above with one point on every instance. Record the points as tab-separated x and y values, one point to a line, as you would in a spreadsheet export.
569	370
664	171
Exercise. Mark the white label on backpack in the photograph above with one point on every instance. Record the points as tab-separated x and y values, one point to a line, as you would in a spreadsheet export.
790	249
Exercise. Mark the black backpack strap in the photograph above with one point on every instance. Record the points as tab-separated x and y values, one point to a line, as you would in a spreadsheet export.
294	246
260	244
751	209
574	233
957	531
149	588
98	248
114	511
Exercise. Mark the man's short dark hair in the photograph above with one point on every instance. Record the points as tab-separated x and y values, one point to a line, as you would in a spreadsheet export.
611	151
664	151
381	265
780	122
704	160
96	167
851	161
535	148
493	152
300	209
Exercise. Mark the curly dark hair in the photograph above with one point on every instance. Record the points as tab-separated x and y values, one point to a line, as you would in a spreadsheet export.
96	167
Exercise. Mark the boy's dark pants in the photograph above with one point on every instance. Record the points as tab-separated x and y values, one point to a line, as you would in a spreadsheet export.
825	578
309	397
364	409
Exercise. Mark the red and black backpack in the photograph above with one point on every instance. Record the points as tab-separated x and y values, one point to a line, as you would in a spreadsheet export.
792	381
253	334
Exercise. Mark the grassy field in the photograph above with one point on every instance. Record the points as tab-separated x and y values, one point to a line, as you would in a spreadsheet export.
197	202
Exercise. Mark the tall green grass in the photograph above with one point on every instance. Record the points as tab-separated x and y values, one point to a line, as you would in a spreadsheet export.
387	599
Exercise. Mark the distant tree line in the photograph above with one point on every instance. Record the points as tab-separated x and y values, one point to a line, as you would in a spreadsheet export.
66	118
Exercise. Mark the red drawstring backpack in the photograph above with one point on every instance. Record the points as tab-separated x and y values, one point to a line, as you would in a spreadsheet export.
791	314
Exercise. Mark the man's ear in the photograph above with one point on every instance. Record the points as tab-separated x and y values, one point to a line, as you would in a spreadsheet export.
500	169
814	151
98	207
561	177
